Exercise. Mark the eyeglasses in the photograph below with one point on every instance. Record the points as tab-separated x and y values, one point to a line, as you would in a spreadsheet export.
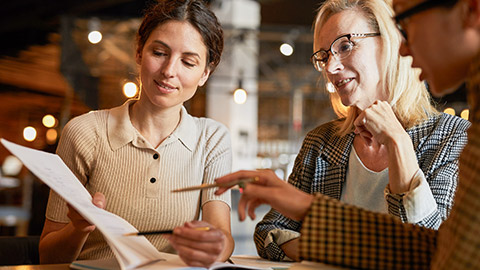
340	48
400	18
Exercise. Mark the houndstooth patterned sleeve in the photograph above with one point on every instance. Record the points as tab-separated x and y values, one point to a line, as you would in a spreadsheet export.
438	143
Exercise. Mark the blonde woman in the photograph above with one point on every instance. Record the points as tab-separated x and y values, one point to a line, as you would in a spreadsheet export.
389	151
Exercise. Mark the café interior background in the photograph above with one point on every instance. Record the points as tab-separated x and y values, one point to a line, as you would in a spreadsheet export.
60	59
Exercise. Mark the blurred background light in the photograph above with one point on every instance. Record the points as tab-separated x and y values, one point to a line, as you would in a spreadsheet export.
450	111
464	114
95	37
240	96
130	89
11	165
29	134
286	49
49	121
51	135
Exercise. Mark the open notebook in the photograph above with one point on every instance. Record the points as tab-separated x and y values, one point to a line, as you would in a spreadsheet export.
130	252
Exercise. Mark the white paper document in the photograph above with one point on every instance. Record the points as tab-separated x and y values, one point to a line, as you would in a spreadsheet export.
130	251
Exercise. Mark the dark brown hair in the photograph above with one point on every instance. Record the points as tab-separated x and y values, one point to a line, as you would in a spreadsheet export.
193	11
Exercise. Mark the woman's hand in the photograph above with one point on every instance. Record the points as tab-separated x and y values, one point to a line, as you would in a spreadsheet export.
63	242
197	247
80	223
379	122
268	189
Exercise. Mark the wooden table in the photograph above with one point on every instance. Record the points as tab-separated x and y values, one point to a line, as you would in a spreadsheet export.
64	266
246	260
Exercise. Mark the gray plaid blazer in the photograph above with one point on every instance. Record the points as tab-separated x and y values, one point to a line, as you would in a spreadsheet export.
321	167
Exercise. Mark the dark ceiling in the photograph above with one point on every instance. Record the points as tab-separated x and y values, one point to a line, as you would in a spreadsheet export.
28	22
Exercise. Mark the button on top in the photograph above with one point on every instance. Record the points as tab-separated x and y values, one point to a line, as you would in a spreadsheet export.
155	156
153	180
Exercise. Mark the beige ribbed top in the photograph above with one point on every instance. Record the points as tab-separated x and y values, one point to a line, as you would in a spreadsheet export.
108	155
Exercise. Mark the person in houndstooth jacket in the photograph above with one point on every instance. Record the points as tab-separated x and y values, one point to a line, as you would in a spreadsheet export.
444	39
390	151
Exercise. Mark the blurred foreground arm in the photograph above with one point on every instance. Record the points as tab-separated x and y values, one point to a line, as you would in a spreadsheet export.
348	236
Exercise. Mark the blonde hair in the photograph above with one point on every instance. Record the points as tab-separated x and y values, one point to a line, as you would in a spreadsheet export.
407	95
